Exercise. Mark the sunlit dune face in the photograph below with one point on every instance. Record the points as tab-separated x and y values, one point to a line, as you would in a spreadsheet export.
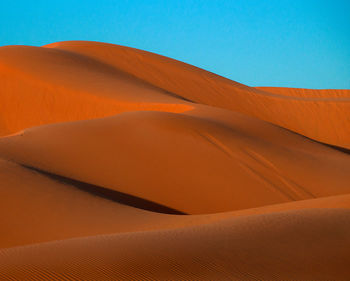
119	164
43	86
312	115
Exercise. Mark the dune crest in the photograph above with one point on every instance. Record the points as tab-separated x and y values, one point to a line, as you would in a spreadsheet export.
318	118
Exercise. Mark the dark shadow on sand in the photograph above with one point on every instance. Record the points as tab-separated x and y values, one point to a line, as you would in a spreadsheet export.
113	195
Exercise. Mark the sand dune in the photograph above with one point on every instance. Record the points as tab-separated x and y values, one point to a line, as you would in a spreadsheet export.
260	247
48	86
61	69
185	156
307	93
35	208
310	116
119	164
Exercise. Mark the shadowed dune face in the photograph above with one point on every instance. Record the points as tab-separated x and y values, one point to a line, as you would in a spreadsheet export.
119	164
36	208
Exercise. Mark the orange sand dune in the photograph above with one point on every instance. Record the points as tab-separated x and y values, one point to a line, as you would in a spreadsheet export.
307	93
66	66
293	245
317	118
41	86
36	208
185	156
119	164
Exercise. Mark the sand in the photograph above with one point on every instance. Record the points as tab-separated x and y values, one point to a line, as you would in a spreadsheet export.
119	164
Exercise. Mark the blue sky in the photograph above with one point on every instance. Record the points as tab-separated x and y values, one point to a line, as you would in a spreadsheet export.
291	43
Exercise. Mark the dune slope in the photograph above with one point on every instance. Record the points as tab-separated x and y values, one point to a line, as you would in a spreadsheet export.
261	247
34	208
41	86
187	158
323	119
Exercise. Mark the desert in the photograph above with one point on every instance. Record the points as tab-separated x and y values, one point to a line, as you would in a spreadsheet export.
122	164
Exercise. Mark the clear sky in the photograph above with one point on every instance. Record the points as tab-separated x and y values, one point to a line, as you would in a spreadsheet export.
291	43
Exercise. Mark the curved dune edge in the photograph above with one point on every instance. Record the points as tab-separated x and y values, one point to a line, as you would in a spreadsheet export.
109	67
259	247
61	87
308	93
313	117
50	210
222	162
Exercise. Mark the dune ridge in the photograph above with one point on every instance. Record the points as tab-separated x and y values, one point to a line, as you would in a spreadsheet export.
315	116
120	164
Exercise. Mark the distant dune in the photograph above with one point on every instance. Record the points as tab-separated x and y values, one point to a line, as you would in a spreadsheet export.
120	164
